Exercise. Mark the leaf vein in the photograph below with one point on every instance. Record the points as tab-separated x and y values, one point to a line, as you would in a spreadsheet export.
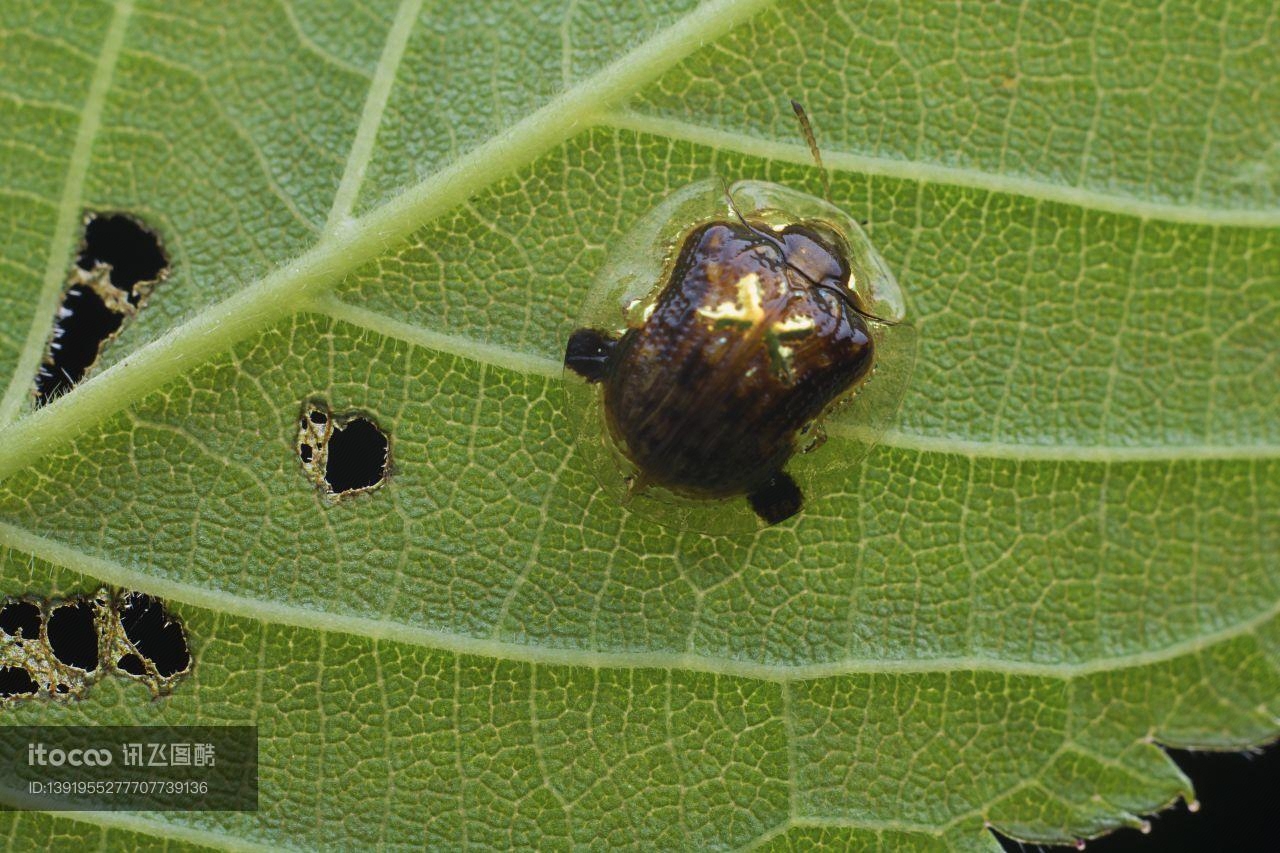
934	173
326	622
532	364
64	236
290	287
375	107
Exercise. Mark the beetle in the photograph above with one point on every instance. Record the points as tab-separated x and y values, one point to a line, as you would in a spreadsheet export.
758	326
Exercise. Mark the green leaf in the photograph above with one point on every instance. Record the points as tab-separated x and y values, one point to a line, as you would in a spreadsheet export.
1063	556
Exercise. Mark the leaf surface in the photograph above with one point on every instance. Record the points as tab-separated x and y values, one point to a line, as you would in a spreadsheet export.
1064	555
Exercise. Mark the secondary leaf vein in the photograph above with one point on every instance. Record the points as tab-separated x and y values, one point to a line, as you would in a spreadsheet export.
329	622
934	173
64	232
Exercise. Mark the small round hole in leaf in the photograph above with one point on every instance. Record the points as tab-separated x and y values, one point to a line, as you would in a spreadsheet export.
357	456
132	664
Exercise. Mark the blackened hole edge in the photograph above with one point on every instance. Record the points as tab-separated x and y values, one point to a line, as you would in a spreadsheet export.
16	681
132	250
357	456
21	617
156	637
73	635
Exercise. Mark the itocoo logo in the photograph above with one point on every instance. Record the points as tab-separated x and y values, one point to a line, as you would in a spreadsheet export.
39	755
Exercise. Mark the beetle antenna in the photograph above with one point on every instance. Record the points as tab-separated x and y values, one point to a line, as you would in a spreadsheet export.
847	299
844	297
764	235
807	129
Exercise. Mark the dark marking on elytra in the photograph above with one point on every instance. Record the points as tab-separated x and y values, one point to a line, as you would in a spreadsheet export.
588	353
778	500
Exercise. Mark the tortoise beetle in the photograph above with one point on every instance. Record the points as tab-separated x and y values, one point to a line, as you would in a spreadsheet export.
717	340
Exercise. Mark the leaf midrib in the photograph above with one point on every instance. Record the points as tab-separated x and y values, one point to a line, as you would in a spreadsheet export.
376	628
143	823
159	828
349	243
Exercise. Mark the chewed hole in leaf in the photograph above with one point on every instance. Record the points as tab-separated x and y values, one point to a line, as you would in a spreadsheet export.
73	635
84	322
16	681
131	250
119	264
21	618
131	629
357	456
342	454
132	664
154	635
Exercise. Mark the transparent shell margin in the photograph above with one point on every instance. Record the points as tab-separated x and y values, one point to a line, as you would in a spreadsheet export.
634	274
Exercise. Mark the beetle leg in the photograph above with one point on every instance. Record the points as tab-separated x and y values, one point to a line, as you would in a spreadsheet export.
778	499
588	353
